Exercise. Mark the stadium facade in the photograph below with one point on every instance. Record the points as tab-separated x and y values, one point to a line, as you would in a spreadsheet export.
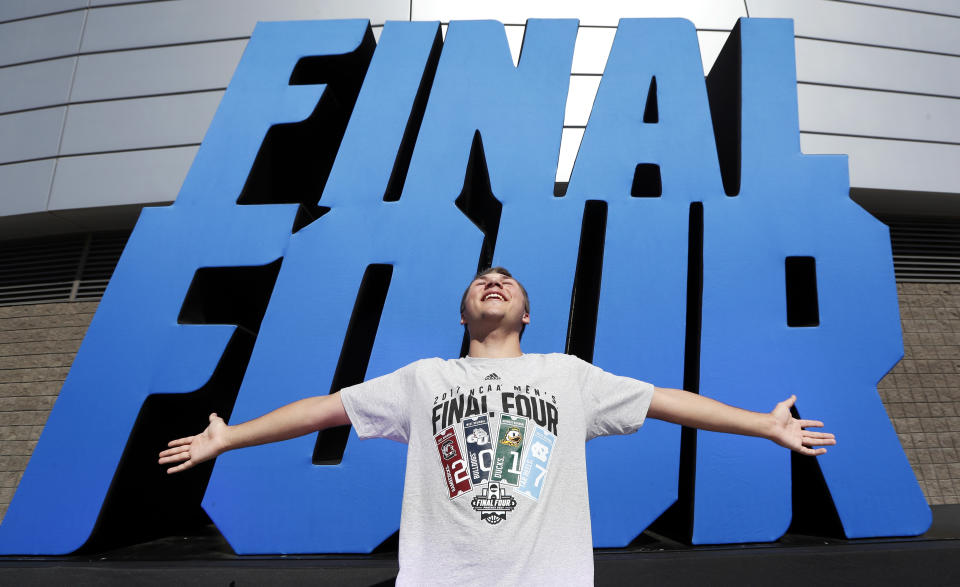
104	104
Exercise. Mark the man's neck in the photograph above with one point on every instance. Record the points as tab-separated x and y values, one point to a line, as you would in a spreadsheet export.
495	345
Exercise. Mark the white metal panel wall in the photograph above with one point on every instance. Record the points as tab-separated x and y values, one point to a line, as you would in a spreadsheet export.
43	37
944	7
32	134
707	14
880	81
103	103
864	23
18	9
191	21
877	68
26	186
154	72
117	179
123	125
38	46
35	85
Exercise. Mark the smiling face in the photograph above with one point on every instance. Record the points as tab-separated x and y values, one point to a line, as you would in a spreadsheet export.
495	297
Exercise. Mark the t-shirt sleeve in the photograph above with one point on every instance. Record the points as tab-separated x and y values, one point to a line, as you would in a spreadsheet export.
379	407
614	404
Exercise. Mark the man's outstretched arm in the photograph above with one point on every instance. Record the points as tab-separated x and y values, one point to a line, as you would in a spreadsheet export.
290	421
696	411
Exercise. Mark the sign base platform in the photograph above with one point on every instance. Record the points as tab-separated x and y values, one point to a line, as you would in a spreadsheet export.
206	559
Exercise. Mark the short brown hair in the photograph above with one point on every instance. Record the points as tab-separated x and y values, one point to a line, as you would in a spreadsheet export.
502	271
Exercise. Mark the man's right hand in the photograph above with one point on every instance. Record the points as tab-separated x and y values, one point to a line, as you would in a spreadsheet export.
194	450
301	417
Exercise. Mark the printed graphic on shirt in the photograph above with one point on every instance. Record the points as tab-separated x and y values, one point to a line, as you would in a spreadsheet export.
536	463
451	407
454	468
476	435
506	463
495	441
447	412
493	503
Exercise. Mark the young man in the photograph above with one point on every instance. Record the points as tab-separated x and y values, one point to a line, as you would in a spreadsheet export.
496	473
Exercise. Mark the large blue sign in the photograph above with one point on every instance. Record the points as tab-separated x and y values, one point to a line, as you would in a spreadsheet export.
346	191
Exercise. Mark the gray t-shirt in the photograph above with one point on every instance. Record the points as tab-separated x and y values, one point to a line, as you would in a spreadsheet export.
496	481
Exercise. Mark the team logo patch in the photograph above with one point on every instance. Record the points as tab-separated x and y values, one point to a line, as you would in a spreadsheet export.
479	436
513	437
509	457
455	471
448	450
536	463
479	447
